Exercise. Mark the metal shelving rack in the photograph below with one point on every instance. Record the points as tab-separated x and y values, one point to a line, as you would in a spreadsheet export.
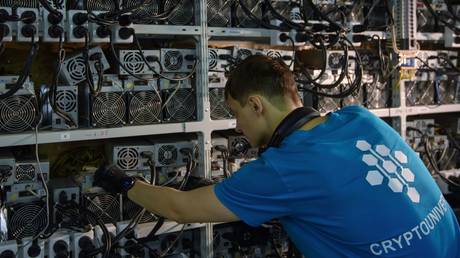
204	126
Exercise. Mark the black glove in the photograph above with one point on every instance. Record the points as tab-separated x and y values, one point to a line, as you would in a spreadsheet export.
113	179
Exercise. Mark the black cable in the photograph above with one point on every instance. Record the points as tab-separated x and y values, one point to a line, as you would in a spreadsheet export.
53	87
356	83
50	9
426	147
108	241
25	71
324	53
334	25
343	71
117	60
277	15
441	19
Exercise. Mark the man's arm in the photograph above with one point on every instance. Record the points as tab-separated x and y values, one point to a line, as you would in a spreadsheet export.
198	205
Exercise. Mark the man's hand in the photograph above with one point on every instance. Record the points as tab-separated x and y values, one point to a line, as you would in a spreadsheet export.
113	179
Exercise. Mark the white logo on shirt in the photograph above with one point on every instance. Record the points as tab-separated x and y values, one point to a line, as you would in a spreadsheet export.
399	177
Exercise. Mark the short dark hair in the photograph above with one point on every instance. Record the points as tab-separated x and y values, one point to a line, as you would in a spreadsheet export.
264	75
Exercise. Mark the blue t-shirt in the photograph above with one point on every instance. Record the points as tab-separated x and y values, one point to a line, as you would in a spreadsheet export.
349	187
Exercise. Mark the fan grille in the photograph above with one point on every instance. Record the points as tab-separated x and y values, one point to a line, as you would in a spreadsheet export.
183	14
181	106
173	60
66	100
106	207
130	209
219	12
133	62
336	60
239	146
274	54
255	6
127	158
76	69
26	221
25	172
143	13
213	58
17	113
145	108
19	3
219	108
108	109
167	155
242	54
101	5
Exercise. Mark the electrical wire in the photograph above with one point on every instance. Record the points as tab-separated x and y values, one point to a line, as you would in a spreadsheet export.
25	71
52	94
159	74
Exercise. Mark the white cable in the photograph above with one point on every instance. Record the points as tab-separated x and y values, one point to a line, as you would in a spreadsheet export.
44	186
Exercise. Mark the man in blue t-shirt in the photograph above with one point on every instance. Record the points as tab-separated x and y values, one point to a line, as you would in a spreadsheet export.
344	185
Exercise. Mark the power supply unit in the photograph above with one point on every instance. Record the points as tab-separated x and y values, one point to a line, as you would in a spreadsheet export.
9	249
241	53
6	27
285	55
134	62
82	243
239	147
98	32
67	102
58	245
77	26
175	60
74	68
53	25
27	25
32	248
173	153
219	59
130	157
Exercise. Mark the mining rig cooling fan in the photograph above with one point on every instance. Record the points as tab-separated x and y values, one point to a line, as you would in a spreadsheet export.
108	109
101	5
105	206
181	106
219	12
182	11
177	60
219	108
144	107
242	20
26	220
130	209
18	113
20	3
142	14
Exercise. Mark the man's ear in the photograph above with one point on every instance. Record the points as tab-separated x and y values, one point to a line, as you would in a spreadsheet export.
255	103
